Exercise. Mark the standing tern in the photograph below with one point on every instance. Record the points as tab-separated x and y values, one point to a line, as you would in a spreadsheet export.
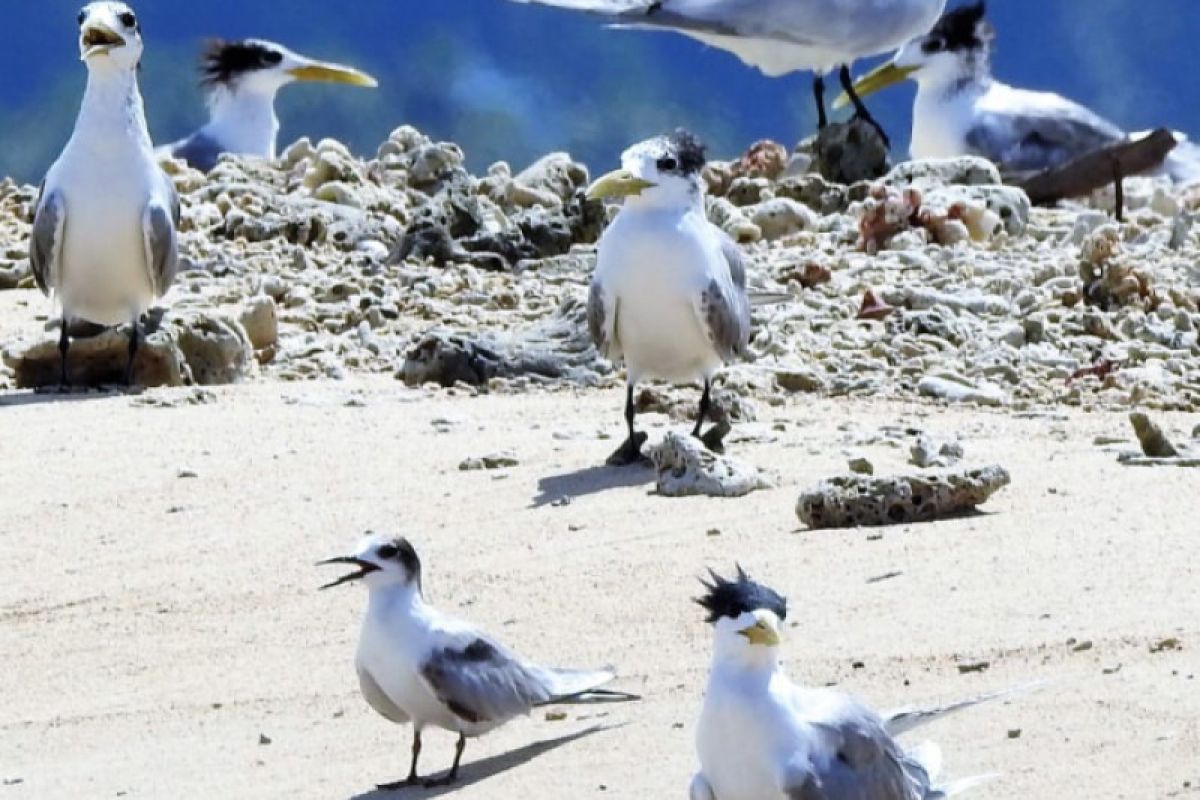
418	665
762	737
669	292
242	79
104	232
961	109
781	36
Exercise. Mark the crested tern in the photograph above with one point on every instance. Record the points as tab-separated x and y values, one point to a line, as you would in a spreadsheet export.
669	292
416	664
961	109
781	36
762	737
242	79
104	232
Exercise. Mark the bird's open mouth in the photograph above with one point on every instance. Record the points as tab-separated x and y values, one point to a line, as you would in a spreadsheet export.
365	568
98	39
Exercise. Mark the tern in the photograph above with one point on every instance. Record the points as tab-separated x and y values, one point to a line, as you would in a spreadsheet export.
961	109
781	36
762	737
418	665
242	79
104	230
669	292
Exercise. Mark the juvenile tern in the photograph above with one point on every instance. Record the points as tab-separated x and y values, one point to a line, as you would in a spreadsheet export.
418	665
762	737
104	232
961	109
669	292
242	79
781	36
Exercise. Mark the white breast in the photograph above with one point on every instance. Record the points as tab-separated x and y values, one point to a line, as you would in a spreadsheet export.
941	120
655	266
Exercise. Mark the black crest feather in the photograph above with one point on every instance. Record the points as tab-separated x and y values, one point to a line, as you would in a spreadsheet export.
689	151
732	598
223	61
964	28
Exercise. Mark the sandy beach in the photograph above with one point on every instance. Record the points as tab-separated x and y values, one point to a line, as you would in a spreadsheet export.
164	636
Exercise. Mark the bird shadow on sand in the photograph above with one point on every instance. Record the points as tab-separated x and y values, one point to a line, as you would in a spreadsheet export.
590	480
41	397
470	774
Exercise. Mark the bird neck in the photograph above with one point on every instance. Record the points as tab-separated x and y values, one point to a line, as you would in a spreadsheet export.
242	120
396	599
112	113
745	663
970	74
674	203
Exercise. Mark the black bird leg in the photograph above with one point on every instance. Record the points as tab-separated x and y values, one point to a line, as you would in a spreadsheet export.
135	336
412	779
819	96
64	344
631	451
860	109
705	402
451	776
714	439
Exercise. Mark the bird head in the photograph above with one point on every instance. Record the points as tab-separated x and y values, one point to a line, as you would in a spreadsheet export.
380	561
746	616
660	172
258	66
110	36
958	47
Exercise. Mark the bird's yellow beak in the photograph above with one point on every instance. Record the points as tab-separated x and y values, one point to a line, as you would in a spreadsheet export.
98	39
621	183
875	80
761	633
333	73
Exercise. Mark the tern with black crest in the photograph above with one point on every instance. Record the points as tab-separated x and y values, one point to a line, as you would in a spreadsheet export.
669	293
961	109
242	79
780	36
417	665
762	737
104	231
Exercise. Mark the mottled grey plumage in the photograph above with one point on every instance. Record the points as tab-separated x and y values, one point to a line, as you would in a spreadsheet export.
483	682
598	322
727	315
199	150
46	239
159	227
1028	140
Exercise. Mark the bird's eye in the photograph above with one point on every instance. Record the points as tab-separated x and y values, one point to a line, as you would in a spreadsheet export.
934	44
667	164
272	57
82	17
128	19
387	551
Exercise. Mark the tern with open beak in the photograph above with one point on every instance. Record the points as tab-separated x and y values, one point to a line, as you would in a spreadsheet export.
242	79
418	665
104	230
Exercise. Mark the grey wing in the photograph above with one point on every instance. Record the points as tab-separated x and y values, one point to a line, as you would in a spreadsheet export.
481	682
377	699
854	758
46	239
721	18
199	150
602	322
724	306
159	224
1037	140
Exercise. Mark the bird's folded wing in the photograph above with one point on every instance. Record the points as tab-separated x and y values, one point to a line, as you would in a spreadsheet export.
46	239
479	681
849	756
159	224
723	306
1040	137
602	322
199	150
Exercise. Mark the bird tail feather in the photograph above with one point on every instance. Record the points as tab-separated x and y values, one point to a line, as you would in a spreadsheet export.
906	719
582	686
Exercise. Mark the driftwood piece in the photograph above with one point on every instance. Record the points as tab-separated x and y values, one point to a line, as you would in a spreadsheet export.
1096	169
